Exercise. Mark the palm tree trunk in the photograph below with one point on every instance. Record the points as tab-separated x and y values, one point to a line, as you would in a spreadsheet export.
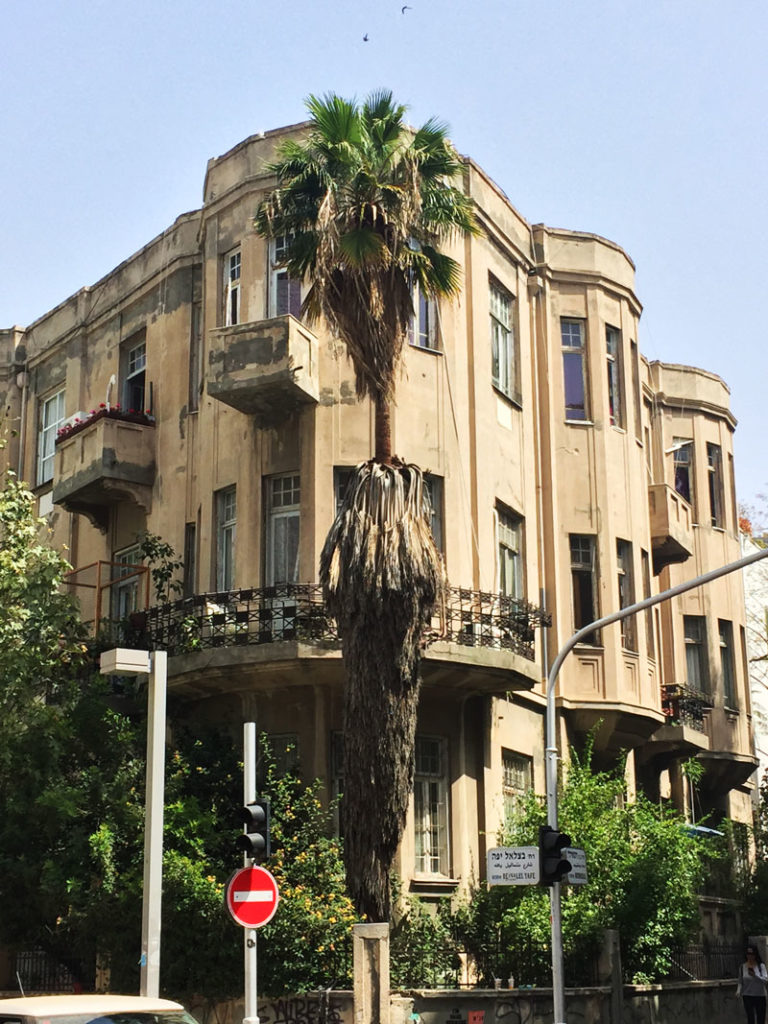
383	431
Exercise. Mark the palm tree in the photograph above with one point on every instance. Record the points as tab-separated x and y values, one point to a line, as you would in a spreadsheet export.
363	202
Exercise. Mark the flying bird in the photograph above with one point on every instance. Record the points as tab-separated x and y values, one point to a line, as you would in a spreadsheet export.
365	38
405	8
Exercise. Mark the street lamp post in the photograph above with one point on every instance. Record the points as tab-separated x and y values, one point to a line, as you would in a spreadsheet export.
558	982
121	661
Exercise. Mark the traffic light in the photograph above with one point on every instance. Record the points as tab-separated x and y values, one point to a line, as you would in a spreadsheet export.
254	841
552	864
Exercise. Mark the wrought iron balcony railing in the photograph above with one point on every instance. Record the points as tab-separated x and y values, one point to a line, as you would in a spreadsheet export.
297	612
684	706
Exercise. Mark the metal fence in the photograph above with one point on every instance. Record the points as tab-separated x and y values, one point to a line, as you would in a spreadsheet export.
705	962
35	970
263	615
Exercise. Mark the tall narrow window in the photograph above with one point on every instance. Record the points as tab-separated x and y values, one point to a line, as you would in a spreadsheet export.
503	361
517	779
715	474
135	387
51	418
190	559
226	522
636	390
683	467
584	584
232	267
732	486
509	553
572	337
626	584
342	476
650	644
433	485
195	356
696	662
283	512
725	630
615	376
423	329
126	582
285	291
430	804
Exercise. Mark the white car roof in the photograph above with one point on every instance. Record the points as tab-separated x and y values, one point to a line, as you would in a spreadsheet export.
52	1006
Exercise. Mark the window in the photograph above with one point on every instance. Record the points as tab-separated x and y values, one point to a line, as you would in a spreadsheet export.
226	522
683	468
126	582
423	331
284	747
696	664
51	418
433	486
615	376
232	268
430	799
725	630
649	638
584	584
195	356
517	779
283	509
503	362
190	559
715	475
572	337
134	389
636	395
509	553
732	484
341	478
284	291
626	583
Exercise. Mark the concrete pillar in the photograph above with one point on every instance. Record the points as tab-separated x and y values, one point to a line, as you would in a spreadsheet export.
370	954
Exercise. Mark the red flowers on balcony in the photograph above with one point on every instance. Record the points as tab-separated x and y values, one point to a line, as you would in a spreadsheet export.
114	412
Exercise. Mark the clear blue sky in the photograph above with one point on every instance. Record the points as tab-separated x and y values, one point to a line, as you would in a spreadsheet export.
642	121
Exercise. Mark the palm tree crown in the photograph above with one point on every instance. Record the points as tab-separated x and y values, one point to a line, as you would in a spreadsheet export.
364	201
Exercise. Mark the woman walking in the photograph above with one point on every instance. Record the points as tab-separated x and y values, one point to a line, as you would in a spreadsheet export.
751	987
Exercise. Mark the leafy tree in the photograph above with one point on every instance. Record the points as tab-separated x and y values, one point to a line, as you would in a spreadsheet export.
644	875
365	202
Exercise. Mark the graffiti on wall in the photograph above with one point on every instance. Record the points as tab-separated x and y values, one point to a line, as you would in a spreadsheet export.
309	1009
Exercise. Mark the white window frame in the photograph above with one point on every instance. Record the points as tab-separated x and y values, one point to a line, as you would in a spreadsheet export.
226	536
135	371
233	263
51	418
583	552
434	486
283	506
125	591
430	807
573	339
516	778
696	653
278	275
503	361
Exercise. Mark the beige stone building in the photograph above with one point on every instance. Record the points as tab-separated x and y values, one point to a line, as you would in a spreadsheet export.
569	477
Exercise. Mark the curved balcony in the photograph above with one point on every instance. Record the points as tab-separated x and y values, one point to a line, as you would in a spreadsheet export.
473	633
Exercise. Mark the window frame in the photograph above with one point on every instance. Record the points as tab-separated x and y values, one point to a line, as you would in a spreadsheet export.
581	571
615	364
277	275
431	813
715	486
504	358
512	791
424	325
575	412
683	468
278	513
435	488
135	377
625	571
727	662
125	592
47	433
226	538
509	524
696	653
232	281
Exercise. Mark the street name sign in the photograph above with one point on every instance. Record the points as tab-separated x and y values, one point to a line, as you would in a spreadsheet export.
578	861
513	865
251	897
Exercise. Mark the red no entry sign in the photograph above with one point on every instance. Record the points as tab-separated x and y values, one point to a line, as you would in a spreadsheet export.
251	897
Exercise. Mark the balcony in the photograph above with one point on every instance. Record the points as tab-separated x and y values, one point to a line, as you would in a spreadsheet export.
103	460
266	369
671	527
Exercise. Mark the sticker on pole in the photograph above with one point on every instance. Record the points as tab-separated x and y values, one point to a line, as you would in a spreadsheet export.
251	897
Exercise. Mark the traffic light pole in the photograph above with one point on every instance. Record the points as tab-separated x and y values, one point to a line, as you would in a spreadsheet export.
558	984
249	935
